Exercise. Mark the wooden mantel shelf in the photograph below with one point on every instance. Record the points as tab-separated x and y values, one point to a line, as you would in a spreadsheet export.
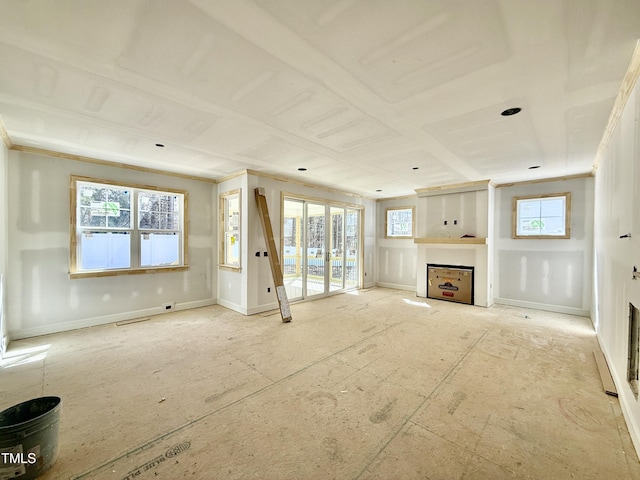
452	241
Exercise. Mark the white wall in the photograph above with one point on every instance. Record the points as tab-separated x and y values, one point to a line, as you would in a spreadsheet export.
617	212
232	284
41	298
4	243
370	267
547	274
467	210
396	257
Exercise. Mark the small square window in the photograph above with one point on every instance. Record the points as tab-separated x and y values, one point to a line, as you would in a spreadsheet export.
542	216
399	222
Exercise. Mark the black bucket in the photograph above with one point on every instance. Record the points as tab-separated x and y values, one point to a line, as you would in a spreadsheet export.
29	438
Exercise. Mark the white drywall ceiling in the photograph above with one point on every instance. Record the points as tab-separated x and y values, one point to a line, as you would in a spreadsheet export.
359	92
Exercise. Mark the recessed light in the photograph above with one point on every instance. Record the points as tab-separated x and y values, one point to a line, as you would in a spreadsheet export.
378	190
533	167
302	169
415	168
511	111
160	145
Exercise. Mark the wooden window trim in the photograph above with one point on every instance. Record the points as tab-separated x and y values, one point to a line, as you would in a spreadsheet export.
413	222
74	273
567	217
222	230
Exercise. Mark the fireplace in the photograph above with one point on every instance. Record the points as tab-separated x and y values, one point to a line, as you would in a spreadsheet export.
453	283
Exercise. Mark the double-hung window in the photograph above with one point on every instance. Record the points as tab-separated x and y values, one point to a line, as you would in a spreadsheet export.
125	228
230	209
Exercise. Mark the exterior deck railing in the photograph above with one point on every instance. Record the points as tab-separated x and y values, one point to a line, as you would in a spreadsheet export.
315	267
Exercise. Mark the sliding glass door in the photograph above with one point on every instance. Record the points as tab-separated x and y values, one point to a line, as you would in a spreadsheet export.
316	250
321	248
293	247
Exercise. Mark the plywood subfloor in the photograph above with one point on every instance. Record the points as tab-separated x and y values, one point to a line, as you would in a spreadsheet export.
375	385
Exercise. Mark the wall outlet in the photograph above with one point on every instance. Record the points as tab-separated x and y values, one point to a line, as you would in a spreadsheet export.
169	307
268	289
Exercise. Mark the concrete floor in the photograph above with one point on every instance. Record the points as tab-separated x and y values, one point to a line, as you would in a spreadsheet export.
374	385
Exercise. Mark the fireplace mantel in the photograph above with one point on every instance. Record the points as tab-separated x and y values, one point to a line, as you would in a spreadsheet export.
451	241
444	215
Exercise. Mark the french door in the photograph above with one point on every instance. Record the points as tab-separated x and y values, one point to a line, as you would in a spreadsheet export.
321	248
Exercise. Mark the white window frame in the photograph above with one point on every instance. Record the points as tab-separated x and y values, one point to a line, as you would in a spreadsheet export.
134	229
536	203
230	229
389	222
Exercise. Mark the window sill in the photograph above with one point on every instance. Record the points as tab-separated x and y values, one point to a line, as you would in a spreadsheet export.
129	271
230	268
541	237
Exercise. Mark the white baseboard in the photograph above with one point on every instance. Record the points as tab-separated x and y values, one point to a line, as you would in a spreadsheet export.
232	306
396	286
102	320
543	306
263	308
623	395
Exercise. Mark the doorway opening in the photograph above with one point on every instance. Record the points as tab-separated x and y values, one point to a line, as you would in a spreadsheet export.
321	247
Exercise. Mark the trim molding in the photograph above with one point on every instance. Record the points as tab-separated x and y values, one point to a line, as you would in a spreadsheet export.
628	84
335	203
455	188
232	176
545	180
395	286
625	406
403	197
102	320
543	306
305	184
232	306
109	163
4	135
264	308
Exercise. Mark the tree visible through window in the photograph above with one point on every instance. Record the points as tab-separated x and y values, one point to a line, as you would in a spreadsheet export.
399	222
125	227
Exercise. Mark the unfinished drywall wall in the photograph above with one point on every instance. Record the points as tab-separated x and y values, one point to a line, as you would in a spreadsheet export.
232	283
617	214
396	257
547	274
41	298
370	266
445	216
4	243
